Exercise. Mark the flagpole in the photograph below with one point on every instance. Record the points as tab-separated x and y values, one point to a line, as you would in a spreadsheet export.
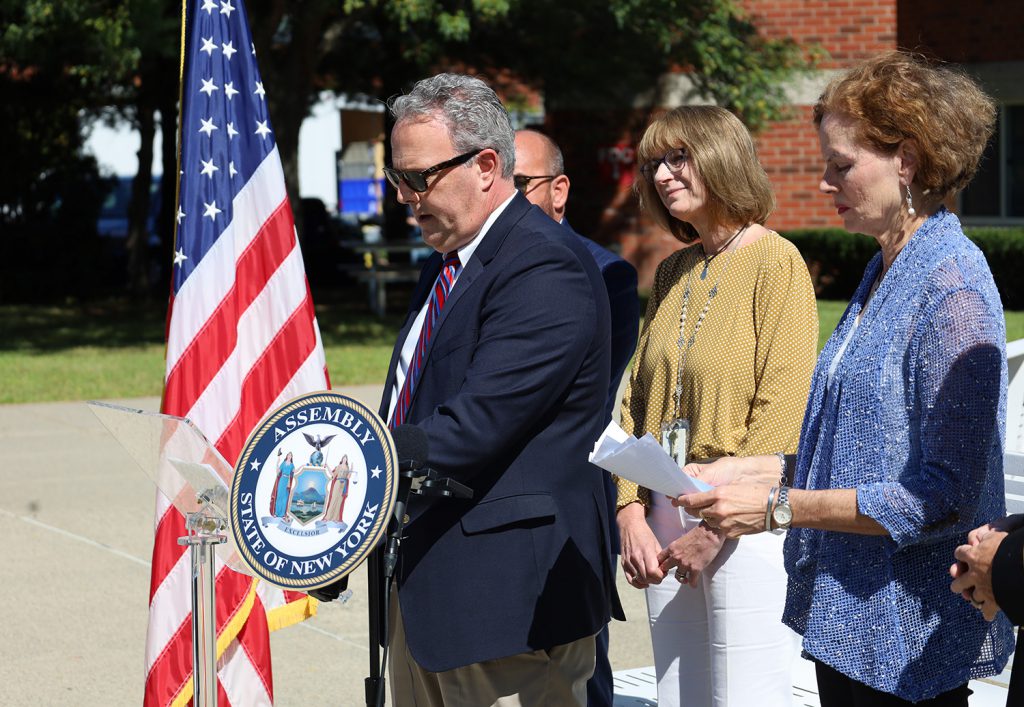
203	529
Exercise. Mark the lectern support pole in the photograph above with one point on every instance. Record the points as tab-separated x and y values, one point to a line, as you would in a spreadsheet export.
201	543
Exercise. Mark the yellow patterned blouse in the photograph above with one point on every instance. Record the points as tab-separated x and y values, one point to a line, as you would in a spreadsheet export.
748	372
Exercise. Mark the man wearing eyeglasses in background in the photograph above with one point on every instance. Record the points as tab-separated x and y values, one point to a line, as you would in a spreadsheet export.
503	361
540	176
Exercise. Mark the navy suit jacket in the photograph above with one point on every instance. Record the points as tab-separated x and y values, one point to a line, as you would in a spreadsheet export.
620	282
511	394
1008	587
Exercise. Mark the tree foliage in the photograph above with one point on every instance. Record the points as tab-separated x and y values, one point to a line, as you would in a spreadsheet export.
63	63
57	60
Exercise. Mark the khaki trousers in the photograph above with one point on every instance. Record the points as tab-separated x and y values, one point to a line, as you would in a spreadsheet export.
543	678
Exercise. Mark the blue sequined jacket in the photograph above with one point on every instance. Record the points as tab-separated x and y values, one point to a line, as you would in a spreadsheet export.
913	420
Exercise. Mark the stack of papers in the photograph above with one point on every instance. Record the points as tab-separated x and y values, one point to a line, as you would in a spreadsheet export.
642	461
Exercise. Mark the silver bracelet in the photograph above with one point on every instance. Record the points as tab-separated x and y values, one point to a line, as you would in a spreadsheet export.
781	456
768	510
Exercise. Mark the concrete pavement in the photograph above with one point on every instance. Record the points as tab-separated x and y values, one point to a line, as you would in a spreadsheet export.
77	517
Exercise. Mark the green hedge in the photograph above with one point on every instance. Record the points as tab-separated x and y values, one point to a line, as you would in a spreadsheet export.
836	259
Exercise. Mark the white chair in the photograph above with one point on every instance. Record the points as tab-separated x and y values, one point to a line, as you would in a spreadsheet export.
1013	460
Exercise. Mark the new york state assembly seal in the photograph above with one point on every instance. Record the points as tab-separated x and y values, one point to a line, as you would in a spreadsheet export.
313	491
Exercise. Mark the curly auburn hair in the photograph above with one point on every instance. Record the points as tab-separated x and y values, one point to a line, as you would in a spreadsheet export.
899	96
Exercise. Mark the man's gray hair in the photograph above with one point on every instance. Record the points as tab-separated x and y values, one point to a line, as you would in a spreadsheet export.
468	107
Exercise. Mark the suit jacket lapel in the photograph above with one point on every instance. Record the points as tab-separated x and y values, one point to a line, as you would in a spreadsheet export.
485	252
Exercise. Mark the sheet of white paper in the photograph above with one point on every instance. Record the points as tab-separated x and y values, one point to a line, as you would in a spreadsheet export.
642	461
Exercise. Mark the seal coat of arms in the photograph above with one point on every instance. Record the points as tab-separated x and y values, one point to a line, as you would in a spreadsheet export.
313	491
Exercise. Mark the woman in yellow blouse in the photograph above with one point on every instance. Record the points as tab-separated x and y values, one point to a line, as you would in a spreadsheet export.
722	368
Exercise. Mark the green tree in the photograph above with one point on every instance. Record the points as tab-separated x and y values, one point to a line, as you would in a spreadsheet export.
58	62
149	94
598	58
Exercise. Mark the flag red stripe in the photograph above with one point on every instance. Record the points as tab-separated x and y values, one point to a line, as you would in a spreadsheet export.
168	530
212	345
171	670
271	372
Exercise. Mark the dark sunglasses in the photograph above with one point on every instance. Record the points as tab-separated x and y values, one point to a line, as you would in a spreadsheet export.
522	181
417	181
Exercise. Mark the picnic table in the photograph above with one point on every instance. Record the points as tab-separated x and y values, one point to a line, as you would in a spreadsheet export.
382	263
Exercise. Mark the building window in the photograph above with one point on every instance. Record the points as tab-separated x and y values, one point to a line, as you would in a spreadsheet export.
997	191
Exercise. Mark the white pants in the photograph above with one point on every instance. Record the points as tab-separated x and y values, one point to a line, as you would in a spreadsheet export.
722	643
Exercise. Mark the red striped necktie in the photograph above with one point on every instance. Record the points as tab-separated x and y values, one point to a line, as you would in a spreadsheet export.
442	288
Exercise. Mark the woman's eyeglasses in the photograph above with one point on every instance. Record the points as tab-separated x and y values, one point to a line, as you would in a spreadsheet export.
674	159
417	181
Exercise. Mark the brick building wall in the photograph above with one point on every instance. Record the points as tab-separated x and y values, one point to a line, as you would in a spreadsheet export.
790	155
849	30
964	32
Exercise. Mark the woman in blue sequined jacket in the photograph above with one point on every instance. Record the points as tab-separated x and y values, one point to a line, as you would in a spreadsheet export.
901	447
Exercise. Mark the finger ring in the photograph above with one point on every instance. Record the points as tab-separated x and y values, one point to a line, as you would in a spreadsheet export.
683	575
705	519
976	602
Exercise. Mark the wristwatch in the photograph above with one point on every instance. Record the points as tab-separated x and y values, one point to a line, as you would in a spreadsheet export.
782	514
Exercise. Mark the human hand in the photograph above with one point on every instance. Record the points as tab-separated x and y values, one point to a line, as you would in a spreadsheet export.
727	470
691	553
972	572
736	509
1006	524
639	547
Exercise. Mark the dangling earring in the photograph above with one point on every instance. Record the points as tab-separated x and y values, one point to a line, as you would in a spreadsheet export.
910	203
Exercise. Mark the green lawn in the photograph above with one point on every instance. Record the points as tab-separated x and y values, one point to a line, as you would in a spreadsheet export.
829	312
115	349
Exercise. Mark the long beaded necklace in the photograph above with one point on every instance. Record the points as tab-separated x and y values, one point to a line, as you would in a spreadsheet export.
684	344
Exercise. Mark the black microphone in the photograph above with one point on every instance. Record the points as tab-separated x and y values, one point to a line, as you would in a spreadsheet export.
411	448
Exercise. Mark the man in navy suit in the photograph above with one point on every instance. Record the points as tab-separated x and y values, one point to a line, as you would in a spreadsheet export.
503	361
540	175
989	572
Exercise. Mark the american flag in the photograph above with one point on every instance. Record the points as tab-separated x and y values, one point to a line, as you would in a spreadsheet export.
242	338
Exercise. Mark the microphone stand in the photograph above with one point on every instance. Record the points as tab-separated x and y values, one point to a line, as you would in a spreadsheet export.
413	479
